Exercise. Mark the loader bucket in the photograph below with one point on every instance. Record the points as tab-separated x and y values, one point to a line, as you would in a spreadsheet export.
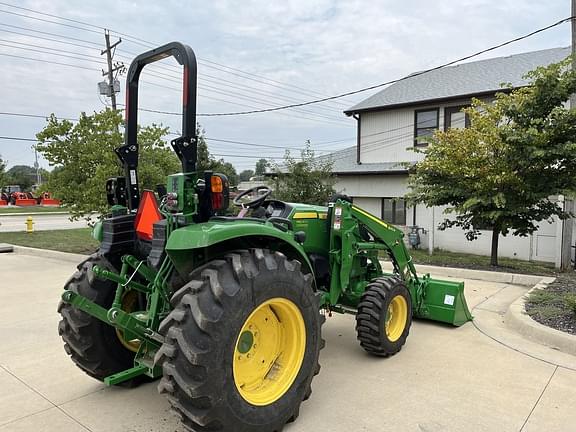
444	301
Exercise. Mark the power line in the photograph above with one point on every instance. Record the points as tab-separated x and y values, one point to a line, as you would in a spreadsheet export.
251	144
54	54
295	105
242	96
49	34
341	95
48	61
143	43
10	138
47	48
48	39
47	21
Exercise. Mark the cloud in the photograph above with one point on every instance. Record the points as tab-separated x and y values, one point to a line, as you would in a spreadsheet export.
318	47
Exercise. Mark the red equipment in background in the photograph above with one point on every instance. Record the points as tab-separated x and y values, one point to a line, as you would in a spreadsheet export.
46	199
22	199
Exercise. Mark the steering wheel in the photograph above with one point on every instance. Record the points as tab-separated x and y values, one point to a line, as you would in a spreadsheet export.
260	197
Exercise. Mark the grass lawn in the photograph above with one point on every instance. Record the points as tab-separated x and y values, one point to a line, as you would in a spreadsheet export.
72	240
80	241
480	262
31	209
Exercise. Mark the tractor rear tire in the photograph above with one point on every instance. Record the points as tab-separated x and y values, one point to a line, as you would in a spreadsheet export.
241	344
384	316
92	344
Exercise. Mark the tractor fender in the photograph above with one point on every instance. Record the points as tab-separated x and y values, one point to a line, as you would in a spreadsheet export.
196	244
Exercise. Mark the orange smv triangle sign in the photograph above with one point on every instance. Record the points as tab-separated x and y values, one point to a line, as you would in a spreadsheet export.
147	215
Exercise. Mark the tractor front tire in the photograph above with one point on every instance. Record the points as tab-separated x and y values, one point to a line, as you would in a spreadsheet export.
241	344
93	345
384	316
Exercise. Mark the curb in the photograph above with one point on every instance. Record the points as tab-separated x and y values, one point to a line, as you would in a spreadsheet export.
485	275
46	253
518	320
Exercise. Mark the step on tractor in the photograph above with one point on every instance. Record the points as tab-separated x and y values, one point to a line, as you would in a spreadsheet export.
227	310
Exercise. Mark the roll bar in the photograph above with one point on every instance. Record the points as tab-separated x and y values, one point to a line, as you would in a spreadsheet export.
185	146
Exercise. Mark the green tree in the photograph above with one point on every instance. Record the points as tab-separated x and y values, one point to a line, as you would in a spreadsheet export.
83	154
22	175
502	170
246	175
308	180
261	166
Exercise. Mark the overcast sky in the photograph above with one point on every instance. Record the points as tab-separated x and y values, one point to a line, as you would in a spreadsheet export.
280	51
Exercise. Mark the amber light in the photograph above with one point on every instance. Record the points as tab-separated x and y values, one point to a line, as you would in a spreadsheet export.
216	184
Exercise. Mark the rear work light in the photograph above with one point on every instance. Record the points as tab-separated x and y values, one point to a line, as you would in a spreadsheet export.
219	188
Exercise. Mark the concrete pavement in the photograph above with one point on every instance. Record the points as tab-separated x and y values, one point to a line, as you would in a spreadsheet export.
471	378
42	222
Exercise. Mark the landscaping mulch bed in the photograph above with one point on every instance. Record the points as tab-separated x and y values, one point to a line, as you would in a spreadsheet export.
555	305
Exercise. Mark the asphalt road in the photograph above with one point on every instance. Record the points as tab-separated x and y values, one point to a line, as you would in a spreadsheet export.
444	379
42	222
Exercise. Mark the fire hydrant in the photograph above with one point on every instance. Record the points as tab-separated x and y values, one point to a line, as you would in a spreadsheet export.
29	224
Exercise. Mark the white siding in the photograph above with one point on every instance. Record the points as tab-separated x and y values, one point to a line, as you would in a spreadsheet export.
367	191
389	186
371	205
387	136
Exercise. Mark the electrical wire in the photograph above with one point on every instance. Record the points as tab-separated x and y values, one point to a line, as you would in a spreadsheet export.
311	102
373	87
48	61
100	61
142	42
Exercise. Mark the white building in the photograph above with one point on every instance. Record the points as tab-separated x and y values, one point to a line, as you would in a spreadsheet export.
389	123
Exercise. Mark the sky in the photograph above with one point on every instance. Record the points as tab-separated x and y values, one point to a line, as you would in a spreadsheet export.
252	54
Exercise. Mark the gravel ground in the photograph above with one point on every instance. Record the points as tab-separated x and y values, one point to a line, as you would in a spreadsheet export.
549	306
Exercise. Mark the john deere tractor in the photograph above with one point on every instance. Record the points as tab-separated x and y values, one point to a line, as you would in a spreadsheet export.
227	310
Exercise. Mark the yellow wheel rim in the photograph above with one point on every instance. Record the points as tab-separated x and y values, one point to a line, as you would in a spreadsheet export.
269	351
396	317
129	304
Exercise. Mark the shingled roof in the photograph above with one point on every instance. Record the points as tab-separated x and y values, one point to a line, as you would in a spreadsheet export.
463	80
344	163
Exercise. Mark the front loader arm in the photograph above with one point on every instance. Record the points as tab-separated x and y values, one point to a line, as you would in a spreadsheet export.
356	237
353	232
392	239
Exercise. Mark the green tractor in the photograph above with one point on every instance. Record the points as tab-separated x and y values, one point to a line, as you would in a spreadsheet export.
227	311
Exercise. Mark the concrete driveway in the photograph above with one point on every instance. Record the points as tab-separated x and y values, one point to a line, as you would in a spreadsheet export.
444	379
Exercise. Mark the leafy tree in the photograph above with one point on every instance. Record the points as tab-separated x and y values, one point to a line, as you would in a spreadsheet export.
502	170
261	166
83	154
246	175
308	180
22	175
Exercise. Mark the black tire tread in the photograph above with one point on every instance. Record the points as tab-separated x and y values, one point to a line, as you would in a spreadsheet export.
198	308
370	311
86	339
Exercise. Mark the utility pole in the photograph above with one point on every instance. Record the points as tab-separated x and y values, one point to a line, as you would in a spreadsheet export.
568	224
112	68
37	166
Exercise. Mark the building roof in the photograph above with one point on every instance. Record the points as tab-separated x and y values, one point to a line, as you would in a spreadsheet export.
344	162
466	79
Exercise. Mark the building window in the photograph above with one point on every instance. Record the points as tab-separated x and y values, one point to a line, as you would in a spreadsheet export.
454	118
425	123
394	210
